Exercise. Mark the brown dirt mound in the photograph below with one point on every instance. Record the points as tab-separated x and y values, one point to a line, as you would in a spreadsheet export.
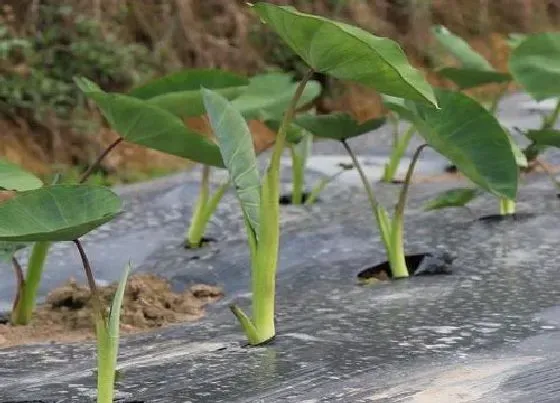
149	303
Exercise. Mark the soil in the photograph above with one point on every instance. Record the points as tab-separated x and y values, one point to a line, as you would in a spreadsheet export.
149	303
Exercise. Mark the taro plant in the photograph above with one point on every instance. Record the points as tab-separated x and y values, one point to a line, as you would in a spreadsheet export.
461	130
474	71
339	50
14	179
534	64
168	101
152	115
64	213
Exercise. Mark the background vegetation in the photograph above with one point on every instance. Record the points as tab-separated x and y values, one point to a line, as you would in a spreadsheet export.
46	125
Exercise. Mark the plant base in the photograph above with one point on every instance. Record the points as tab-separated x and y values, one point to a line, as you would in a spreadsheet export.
286	199
261	344
420	264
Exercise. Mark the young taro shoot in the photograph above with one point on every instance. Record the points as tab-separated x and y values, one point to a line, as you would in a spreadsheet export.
328	47
14	179
462	130
59	213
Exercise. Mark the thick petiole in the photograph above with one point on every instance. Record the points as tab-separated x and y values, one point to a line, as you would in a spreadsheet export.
507	207
298	180
260	328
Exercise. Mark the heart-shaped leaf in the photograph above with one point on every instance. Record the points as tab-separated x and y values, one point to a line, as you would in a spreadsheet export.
460	49
141	123
186	104
56	213
188	80
347	52
458	197
269	95
337	126
466	78
12	177
535	64
472	139
179	93
236	146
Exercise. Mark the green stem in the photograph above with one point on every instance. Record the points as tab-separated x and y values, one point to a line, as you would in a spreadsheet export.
196	229
369	189
264	256
398	262
21	315
379	212
507	206
399	148
297	176
100	158
106	367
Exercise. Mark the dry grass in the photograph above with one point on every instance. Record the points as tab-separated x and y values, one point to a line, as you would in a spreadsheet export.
218	33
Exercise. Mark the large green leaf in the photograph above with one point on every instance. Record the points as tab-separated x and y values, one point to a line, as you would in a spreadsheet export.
141	123
12	177
470	78
460	49
347	52
179	93
189	103
457	197
337	126
535	64
269	95
236	146
188	80
56	213
472	139
544	137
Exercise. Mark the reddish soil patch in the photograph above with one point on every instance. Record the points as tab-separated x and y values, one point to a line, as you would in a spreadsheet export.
149	303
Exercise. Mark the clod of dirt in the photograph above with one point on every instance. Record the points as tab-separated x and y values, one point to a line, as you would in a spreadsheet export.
149	302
